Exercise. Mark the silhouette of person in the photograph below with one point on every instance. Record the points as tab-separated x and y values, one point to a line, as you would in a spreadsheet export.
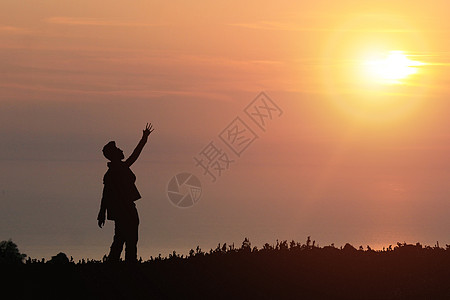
119	195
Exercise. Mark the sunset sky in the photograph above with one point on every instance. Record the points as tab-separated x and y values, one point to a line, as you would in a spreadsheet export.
360	153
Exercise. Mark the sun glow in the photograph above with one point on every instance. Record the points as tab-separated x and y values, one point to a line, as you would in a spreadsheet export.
393	68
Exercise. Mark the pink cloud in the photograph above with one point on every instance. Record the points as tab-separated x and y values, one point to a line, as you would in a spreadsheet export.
96	22
13	30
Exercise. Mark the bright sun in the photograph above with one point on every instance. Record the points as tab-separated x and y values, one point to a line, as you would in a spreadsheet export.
393	68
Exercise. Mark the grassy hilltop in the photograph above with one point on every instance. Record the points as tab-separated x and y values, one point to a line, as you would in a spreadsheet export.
281	271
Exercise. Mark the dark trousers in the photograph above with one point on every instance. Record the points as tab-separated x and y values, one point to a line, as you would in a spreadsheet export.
125	232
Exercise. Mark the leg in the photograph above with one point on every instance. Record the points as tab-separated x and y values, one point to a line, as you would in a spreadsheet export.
132	237
118	241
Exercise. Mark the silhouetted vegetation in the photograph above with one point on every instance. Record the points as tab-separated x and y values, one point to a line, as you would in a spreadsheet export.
59	259
283	270
9	253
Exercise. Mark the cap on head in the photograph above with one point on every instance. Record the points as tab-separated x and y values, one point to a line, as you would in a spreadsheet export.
110	150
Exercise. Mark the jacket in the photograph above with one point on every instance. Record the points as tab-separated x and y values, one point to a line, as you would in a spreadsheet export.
119	190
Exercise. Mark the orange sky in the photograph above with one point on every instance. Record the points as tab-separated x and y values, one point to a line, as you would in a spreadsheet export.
350	160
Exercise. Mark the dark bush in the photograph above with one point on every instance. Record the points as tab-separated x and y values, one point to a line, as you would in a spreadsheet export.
59	259
9	253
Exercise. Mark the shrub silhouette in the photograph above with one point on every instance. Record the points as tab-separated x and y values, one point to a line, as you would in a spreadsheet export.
9	253
59	259
349	248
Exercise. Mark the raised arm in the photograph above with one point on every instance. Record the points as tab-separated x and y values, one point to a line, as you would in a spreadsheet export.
137	151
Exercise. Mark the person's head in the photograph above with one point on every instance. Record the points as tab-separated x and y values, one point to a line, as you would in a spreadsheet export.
111	152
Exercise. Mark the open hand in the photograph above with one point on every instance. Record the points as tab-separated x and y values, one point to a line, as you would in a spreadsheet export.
148	129
101	222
